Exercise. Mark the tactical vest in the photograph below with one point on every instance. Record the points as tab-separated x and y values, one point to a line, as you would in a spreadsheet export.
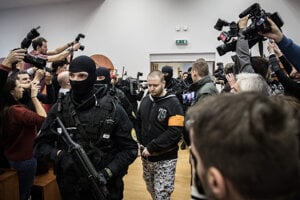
97	123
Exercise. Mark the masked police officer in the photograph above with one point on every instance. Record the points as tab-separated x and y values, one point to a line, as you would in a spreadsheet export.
98	124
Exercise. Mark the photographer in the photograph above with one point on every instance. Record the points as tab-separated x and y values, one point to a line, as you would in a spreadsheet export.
25	81
13	57
286	45
246	63
18	129
291	86
40	50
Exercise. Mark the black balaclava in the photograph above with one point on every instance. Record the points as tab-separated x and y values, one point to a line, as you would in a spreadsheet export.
81	90
102	71
169	70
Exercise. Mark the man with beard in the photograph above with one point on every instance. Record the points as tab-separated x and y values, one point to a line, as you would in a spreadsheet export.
160	120
244	146
95	122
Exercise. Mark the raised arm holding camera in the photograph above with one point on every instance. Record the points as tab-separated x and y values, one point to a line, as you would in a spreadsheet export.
286	45
242	48
40	49
40	55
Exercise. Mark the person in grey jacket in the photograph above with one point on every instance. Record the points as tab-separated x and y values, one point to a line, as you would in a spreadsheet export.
242	49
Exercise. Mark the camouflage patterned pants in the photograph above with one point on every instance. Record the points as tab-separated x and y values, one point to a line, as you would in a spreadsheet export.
159	177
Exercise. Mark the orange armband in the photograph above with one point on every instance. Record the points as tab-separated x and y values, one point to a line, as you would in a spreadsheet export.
176	120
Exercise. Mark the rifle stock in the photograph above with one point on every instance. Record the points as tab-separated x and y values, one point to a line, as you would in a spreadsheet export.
99	190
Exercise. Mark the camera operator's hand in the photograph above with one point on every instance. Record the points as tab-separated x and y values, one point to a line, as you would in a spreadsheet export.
243	22
231	79
34	89
31	70
275	32
72	43
16	55
39	74
273	48
25	85
76	46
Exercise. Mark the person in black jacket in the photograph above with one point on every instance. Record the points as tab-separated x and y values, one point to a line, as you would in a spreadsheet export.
99	125
160	120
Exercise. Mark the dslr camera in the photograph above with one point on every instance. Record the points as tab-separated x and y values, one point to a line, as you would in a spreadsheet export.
34	60
259	23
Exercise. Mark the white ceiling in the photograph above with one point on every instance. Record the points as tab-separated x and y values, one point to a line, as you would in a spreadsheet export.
6	4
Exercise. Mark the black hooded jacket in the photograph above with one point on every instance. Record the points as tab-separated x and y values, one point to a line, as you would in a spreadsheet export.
155	132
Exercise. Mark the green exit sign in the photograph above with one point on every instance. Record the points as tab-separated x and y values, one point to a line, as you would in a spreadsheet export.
181	42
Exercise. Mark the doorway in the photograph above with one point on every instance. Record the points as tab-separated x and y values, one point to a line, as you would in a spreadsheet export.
180	61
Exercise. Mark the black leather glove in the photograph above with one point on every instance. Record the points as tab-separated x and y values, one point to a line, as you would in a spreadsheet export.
104	175
65	163
102	179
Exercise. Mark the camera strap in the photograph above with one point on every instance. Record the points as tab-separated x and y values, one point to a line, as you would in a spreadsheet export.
261	48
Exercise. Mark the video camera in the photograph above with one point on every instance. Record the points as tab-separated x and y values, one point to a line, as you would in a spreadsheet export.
34	60
259	23
219	72
226	36
259	20
133	85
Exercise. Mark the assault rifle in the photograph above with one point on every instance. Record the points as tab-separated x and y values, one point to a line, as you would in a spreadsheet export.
99	190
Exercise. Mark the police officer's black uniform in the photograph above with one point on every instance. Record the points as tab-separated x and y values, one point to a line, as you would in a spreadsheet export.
107	136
